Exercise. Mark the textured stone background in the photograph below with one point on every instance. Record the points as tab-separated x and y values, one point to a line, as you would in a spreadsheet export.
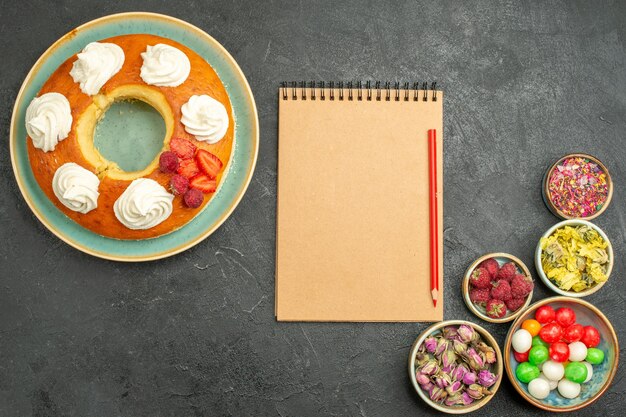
195	335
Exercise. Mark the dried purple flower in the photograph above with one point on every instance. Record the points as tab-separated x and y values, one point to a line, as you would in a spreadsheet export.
477	392
438	394
442	346
427	387
422	378
454	388
459	372
430	344
449	332
469	378
453	400
473	359
430	367
486	378
466	399
442	380
486	352
465	333
448	358
459	347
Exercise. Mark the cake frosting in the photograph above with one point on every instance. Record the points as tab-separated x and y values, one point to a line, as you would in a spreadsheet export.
96	64
76	188
48	120
164	66
144	204
205	118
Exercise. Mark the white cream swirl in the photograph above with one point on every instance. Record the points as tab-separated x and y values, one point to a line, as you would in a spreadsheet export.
48	120
76	187
143	205
205	118
164	66
96	64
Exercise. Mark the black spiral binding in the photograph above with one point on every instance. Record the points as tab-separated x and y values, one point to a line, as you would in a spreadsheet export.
358	92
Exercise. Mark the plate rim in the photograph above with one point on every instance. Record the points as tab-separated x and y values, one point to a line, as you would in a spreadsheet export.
225	215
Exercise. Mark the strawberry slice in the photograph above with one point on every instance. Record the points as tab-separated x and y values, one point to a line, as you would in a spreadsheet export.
183	148
188	168
203	183
208	163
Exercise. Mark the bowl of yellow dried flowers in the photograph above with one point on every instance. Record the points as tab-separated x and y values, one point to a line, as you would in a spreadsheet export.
574	258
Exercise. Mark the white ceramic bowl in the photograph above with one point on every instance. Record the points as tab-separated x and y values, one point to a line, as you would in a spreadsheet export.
554	287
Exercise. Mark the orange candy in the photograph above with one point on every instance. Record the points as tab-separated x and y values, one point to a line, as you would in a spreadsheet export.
532	326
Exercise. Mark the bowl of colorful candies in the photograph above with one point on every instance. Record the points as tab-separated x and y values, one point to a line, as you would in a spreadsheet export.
561	354
455	366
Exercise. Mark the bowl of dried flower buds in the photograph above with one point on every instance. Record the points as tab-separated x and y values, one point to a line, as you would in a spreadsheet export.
455	366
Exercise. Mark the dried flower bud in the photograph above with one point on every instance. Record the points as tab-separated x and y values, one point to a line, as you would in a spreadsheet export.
428	386
442	380
454	388
459	372
422	378
473	359
469	378
459	347
486	378
465	333
453	400
477	392
466	399
438	394
448	358
487	352
430	344
430	367
449	332
442	346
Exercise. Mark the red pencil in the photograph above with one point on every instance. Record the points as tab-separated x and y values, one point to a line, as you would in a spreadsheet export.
434	215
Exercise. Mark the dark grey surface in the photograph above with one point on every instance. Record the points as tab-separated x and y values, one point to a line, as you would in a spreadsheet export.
195	334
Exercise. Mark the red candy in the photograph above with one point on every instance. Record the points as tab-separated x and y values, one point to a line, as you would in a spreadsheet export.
544	314
551	332
559	351
591	337
573	333
565	316
521	357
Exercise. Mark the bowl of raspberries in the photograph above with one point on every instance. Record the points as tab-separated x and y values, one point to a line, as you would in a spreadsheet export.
497	287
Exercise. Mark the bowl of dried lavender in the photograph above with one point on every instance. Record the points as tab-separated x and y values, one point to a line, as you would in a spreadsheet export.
455	366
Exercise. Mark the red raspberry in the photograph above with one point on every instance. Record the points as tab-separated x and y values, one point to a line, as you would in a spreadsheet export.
480	278
168	162
507	271
479	296
179	184
515	303
193	198
521	286
490	265
496	308
501	290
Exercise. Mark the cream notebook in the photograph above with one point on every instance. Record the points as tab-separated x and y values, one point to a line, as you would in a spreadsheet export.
353	203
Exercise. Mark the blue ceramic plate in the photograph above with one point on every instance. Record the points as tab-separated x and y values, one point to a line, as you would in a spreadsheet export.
239	170
586	314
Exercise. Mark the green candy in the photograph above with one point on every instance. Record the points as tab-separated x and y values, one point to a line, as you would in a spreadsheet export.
537	341
595	356
576	372
526	372
538	355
